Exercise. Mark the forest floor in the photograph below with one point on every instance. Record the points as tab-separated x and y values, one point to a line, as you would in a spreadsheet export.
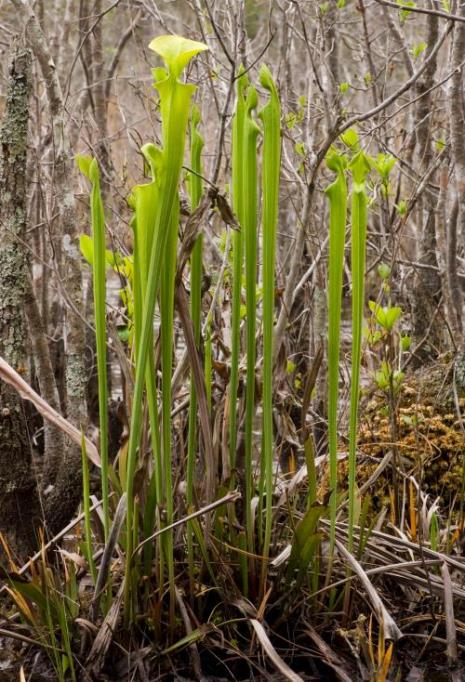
330	646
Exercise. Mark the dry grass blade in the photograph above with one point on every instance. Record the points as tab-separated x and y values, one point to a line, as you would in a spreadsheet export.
380	547
115	530
199	380
394	543
10	634
10	376
390	569
386	621
451	631
373	478
196	663
272	654
432	584
330	658
282	557
230	497
96	658
49	544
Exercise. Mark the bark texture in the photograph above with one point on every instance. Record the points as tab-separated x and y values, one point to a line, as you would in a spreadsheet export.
456	224
427	289
62	500
19	508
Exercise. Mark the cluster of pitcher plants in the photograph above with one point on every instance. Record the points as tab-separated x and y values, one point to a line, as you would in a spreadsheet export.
223	523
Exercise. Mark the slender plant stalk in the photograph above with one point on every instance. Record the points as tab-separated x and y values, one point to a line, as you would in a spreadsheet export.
237	250
90	168
86	504
208	361
250	193
337	195
146	200
167	329
195	191
270	116
360	168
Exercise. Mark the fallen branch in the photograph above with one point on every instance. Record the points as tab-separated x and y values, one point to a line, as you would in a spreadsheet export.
11	377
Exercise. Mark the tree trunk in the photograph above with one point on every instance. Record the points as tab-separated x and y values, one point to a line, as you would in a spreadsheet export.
61	501
427	283
456	227
54	441
19	509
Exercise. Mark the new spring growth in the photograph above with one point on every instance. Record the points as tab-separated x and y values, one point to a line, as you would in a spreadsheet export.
337	195
175	99
359	168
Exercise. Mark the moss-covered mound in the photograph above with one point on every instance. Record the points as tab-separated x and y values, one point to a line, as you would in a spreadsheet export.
428	435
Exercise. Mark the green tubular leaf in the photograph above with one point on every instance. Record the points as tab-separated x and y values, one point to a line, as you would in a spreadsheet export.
195	191
250	214
167	321
360	169
145	201
154	157
90	168
271	117
337	195
195	181
137	291
237	249
175	105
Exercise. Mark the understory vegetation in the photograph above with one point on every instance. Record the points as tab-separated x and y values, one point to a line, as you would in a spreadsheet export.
231	402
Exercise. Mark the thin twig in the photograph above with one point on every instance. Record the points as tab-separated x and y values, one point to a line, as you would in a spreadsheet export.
421	10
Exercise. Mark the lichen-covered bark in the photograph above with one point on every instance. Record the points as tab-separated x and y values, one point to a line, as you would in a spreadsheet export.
19	508
65	494
62	500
